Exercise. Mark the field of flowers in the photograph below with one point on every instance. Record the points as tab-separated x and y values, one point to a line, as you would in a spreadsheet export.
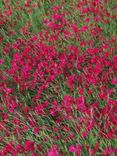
58	77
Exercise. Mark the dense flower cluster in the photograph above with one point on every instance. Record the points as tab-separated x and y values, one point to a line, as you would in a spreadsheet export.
58	89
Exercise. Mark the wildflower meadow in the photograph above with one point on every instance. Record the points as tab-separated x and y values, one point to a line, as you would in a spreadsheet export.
58	77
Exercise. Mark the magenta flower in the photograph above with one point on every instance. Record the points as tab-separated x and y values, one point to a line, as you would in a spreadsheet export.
29	145
1	61
53	151
72	148
84	28
114	81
